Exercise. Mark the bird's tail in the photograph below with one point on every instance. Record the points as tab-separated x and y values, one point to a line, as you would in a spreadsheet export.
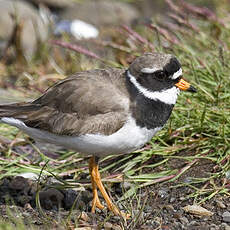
17	110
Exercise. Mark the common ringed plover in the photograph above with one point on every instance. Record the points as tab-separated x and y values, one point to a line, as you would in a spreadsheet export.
104	111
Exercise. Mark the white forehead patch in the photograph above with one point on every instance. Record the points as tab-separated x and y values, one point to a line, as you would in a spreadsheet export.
177	74
149	70
168	96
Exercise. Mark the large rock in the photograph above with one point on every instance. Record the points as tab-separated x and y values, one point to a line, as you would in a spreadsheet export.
34	29
53	3
102	12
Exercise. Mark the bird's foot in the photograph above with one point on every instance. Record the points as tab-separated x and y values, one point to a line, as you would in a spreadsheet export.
118	212
96	203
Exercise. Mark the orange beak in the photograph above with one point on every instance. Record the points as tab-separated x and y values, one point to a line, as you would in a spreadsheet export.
185	86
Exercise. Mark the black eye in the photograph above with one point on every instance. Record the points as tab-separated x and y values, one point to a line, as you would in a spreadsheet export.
160	75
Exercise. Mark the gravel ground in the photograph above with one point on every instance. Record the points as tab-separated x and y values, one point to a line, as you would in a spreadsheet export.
166	208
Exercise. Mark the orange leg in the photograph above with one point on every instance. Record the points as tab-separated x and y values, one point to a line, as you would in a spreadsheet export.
96	202
96	181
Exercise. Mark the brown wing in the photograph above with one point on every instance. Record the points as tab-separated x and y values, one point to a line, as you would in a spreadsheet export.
88	102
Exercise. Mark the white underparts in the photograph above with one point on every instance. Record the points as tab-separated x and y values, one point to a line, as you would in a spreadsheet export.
168	96
127	139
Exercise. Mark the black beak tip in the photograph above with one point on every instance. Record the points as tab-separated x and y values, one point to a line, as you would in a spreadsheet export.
192	89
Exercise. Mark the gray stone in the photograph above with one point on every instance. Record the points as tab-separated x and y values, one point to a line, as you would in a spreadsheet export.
108	226
182	198
70	197
225	226
34	28
192	223
213	227
51	198
220	204
163	193
184	220
127	185
172	199
96	12
54	3
226	216
19	184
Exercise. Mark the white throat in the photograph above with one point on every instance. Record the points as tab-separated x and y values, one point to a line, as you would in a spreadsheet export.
168	96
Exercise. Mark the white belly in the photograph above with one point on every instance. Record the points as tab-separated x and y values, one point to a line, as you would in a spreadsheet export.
127	139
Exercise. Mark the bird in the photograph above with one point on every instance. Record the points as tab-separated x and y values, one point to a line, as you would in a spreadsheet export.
102	112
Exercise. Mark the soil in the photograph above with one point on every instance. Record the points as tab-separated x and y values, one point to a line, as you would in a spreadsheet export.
160	206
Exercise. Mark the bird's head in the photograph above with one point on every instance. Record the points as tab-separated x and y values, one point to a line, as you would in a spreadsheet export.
158	72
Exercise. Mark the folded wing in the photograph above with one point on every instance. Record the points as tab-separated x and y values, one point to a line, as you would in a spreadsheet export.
88	102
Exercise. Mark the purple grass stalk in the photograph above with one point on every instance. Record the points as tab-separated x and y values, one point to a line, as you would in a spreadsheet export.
170	177
186	167
165	33
181	171
175	8
174	28
184	22
201	11
113	45
161	179
75	48
137	36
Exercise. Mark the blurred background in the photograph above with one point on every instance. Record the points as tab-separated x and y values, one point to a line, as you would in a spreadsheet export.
39	20
30	28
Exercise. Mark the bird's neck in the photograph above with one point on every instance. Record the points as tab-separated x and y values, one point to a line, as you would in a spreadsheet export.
147	112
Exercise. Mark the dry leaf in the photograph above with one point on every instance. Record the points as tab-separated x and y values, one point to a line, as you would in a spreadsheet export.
197	210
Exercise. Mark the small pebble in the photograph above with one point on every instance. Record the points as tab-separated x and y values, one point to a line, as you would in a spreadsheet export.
225	226
84	216
163	193
184	220
169	207
127	185
28	207
227	174
51	198
193	223
213	227
148	208
220	204
19	183
108	226
26	214
187	180
172	199
226	216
